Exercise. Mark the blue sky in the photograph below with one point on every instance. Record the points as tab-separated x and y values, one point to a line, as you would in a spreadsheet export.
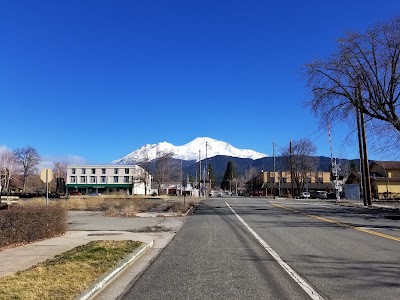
91	81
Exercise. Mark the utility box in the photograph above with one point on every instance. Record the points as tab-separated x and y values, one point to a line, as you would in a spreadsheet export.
352	191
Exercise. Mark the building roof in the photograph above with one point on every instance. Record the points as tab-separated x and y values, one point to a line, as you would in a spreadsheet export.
388	165
102	166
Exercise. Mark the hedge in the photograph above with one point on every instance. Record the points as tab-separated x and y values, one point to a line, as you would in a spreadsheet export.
26	224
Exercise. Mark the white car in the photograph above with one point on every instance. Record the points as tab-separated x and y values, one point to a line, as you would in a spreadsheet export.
305	195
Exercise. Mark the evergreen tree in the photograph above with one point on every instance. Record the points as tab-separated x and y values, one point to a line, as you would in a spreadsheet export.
211	176
229	175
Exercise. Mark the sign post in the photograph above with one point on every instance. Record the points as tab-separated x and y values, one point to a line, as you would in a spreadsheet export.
46	175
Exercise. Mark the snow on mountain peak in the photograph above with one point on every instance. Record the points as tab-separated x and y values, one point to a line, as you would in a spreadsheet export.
189	151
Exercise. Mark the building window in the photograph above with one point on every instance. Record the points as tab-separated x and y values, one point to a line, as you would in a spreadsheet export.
103	179
283	180
72	179
83	171
103	171
115	171
126	179
115	179
126	171
92	179
83	179
73	171
93	171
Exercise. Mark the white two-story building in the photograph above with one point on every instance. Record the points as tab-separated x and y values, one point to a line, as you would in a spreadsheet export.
108	179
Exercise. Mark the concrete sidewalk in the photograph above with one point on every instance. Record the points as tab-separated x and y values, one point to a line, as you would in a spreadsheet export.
154	231
22	257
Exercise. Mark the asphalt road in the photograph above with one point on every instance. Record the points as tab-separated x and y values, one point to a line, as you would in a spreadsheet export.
253	248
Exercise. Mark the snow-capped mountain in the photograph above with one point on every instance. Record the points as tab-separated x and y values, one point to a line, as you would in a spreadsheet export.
189	151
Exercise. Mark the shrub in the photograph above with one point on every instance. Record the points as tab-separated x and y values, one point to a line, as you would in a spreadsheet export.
25	224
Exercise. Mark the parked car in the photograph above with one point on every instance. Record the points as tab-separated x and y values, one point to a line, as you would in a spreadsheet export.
74	193
322	194
304	195
95	194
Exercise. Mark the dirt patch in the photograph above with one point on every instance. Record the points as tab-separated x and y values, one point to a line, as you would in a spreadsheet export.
155	228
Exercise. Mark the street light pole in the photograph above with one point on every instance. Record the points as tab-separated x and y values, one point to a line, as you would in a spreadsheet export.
204	182
199	173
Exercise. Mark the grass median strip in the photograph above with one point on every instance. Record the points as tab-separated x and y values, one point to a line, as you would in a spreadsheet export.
67	275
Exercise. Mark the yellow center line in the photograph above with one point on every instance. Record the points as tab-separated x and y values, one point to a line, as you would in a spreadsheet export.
386	236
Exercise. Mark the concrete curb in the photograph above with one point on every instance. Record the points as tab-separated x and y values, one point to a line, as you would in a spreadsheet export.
106	279
373	206
167	214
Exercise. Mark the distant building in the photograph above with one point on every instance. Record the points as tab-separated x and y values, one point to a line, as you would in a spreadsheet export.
108	179
385	179
280	183
180	189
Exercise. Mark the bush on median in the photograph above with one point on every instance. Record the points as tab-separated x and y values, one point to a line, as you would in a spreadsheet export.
25	224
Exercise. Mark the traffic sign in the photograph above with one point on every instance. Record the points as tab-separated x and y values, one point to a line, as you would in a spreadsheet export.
49	176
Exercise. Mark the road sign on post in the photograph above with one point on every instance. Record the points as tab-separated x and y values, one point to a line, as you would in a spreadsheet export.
46	175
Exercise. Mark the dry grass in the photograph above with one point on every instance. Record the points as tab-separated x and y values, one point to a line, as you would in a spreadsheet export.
179	206
67	275
119	206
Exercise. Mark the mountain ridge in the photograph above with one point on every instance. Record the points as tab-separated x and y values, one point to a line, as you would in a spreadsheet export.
189	151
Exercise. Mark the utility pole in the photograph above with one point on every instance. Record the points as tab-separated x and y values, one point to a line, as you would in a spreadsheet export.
200	173
204	182
291	167
181	176
206	175
361	151
273	187
364	154
366	163
196	179
335	167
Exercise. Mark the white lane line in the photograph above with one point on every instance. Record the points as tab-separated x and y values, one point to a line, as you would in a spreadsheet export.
300	281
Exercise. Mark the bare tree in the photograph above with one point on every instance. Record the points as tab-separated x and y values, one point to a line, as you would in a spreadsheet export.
165	168
346	167
144	173
34	184
8	169
362	74
300	161
28	158
57	185
143	176
60	170
246	180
